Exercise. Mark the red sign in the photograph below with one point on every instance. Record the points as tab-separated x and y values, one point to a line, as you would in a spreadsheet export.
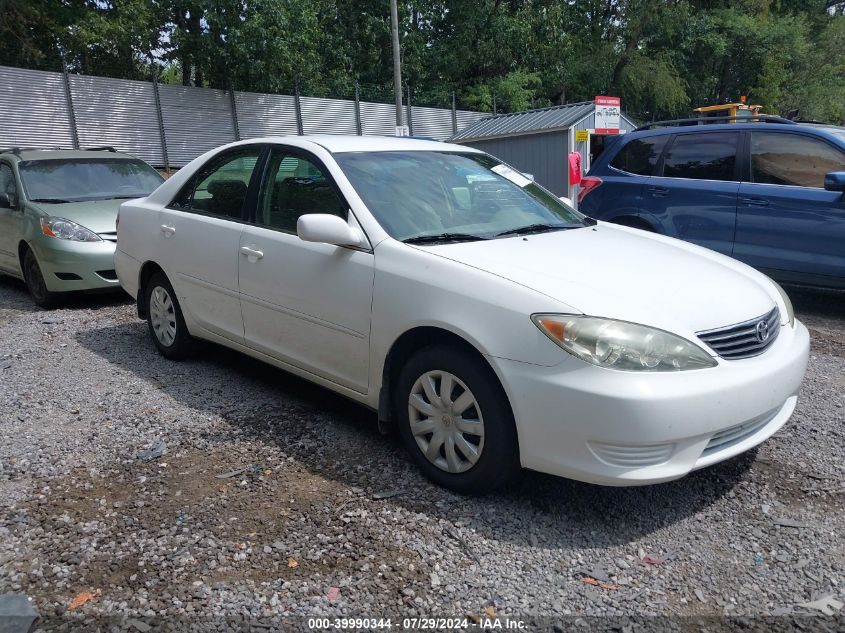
608	114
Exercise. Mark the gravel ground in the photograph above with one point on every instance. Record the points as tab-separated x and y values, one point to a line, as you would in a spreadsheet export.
328	517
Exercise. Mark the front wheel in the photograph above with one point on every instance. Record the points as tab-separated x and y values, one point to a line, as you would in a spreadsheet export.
456	421
35	283
165	320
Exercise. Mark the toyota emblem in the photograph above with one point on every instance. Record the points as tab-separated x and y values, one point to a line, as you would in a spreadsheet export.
762	331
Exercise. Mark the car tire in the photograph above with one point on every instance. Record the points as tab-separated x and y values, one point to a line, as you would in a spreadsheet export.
460	428
165	321
35	283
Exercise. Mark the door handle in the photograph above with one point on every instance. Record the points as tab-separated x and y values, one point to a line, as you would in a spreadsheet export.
251	253
657	191
168	230
754	202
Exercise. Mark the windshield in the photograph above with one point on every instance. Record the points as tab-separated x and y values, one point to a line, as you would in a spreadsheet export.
77	179
425	193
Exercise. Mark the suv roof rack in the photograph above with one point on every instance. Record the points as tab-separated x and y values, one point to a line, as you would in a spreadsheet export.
18	150
101	148
756	118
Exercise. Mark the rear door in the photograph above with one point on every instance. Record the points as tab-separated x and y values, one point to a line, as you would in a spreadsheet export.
199	237
693	197
307	304
787	222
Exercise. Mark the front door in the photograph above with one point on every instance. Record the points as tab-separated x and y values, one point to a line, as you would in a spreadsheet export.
304	303
11	222
787	222
694	196
199	238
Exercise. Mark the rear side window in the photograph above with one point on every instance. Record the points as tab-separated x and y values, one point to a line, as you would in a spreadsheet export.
219	188
640	156
706	156
792	159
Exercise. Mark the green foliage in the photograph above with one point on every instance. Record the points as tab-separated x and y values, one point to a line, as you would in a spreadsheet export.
663	57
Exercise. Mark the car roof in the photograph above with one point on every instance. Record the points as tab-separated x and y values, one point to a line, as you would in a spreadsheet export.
832	132
337	143
60	154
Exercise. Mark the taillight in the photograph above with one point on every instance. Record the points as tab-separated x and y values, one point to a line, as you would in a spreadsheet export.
588	183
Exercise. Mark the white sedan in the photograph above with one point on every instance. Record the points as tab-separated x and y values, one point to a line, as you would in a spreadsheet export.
488	321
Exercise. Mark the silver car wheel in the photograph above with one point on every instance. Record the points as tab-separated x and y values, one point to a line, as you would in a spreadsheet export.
446	421
163	316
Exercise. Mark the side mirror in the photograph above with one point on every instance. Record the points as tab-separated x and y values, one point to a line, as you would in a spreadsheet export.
328	229
835	181
6	201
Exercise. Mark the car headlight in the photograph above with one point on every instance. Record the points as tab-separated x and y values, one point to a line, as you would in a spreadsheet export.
67	230
621	345
790	311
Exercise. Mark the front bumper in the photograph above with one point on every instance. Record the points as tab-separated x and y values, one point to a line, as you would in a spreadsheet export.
68	266
622	428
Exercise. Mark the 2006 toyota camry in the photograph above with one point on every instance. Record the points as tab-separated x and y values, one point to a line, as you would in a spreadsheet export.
495	326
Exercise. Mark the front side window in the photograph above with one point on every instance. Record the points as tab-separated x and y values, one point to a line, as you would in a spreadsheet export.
219	188
414	194
295	186
792	159
706	156
7	181
640	156
80	179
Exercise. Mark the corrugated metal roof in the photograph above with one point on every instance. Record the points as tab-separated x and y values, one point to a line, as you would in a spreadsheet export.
516	123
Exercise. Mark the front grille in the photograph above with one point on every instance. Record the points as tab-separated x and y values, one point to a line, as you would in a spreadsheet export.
735	434
109	237
746	339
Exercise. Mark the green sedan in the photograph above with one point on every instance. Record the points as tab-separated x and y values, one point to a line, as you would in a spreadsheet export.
58	213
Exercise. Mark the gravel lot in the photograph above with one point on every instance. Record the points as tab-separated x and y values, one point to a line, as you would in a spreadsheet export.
305	530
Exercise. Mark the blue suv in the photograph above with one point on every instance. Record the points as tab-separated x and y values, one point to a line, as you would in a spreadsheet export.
767	192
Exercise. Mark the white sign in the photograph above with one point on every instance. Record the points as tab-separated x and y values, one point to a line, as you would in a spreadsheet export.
608	114
403	130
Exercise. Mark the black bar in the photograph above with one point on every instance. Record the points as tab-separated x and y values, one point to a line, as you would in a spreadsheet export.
74	134
161	133
760	118
298	110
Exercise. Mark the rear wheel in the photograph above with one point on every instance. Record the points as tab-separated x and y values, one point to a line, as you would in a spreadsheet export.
456	421
35	282
165	321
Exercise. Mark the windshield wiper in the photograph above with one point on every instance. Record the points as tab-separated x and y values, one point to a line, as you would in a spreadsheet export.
124	197
443	237
537	228
50	200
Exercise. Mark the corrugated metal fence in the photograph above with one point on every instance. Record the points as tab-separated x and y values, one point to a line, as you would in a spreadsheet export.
169	125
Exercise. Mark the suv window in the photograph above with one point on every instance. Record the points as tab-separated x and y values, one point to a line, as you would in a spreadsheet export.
704	156
295	186
220	187
640	156
792	159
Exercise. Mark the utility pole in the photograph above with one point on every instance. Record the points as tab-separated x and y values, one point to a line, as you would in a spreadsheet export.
397	64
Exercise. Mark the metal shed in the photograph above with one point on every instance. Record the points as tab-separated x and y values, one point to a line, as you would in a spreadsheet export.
537	142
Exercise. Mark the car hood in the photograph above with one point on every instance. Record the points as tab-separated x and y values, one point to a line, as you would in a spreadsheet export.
625	274
97	215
